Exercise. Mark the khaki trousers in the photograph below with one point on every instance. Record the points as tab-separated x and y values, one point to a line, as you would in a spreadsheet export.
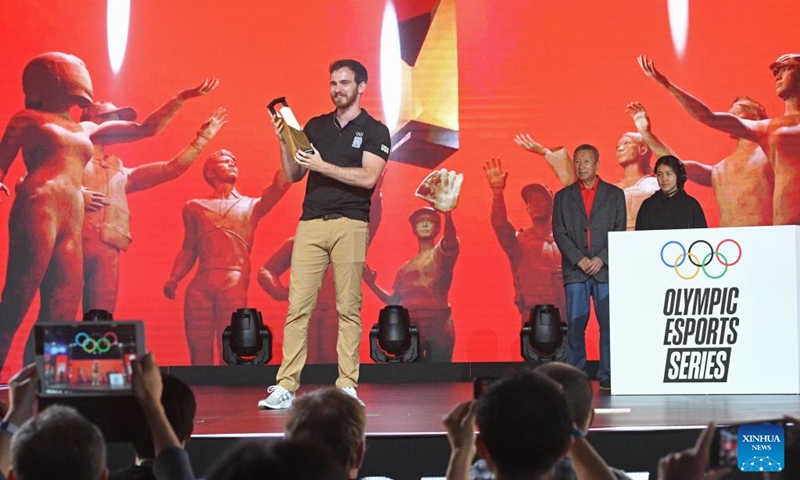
317	243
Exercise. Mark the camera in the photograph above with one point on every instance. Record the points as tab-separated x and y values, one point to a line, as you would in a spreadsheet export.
88	366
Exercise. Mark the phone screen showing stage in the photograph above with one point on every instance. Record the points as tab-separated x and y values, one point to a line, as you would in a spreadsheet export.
87	358
728	446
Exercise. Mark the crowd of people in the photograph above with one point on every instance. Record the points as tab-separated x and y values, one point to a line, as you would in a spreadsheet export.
531	423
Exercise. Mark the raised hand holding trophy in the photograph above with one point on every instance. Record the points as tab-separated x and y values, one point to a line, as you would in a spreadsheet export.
292	134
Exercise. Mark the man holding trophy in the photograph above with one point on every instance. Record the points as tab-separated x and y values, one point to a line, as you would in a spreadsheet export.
348	152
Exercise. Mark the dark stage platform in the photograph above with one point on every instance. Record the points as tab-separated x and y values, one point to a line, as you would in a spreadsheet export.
405	404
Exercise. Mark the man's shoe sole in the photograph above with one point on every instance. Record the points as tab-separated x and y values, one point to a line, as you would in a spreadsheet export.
262	405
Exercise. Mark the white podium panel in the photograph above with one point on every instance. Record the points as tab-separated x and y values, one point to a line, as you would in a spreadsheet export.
705	311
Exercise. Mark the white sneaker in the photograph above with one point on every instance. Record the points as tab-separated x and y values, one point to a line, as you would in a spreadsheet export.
352	392
279	399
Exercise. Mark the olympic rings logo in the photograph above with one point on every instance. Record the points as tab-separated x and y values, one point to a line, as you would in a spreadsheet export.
96	345
711	261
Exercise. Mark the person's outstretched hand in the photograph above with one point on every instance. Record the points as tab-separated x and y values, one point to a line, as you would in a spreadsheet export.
525	141
146	381
495	174
22	388
649	68
460	425
639	115
204	88
692	463
211	127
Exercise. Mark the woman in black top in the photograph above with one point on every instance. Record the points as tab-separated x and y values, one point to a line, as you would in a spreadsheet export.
671	207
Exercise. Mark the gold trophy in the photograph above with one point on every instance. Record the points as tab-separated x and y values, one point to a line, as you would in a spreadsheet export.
292	134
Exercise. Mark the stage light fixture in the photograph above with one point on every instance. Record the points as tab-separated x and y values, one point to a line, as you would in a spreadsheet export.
543	337
97	315
247	341
394	339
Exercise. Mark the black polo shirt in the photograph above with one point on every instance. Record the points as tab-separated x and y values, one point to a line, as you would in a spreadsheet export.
343	147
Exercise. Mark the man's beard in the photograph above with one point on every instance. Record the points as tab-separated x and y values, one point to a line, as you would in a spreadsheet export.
346	101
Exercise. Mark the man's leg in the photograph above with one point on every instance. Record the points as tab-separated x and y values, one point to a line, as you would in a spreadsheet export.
198	311
601	309
322	332
101	275
577	317
309	262
324	326
348	255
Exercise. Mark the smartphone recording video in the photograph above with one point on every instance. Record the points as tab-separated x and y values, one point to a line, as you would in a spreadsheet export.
724	447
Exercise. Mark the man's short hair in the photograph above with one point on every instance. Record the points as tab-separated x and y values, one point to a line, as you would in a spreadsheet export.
590	148
256	460
576	387
180	406
359	70
58	443
333	419
211	161
525	424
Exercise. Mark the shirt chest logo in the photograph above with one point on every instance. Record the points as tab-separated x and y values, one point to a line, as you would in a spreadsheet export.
358	139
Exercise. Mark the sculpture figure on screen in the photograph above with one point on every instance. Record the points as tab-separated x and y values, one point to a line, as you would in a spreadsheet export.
778	137
633	155
324	325
743	182
45	251
423	283
532	252
218	237
107	182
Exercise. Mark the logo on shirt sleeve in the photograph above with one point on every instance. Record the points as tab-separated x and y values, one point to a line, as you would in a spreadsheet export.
385	149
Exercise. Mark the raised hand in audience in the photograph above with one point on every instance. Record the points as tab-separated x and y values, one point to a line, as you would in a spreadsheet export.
692	463
147	388
21	395
460	425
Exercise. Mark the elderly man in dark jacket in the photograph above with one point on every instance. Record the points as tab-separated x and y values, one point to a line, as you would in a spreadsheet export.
583	214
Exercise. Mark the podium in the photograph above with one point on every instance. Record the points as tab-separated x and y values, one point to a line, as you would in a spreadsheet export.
705	311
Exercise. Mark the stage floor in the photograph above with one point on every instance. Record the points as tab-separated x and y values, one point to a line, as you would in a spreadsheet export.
417	410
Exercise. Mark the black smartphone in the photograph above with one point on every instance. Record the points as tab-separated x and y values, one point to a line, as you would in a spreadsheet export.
724	447
480	384
725	444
